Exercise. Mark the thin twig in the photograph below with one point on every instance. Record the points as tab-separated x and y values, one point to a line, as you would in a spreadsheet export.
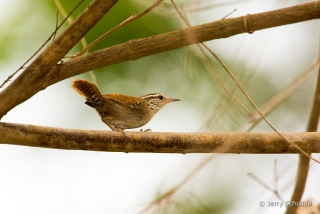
258	180
52	35
275	174
174	190
229	14
124	23
57	22
224	89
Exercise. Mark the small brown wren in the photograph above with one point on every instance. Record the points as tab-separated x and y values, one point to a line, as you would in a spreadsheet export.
121	111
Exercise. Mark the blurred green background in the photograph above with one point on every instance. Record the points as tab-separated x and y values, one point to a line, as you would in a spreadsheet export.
42	180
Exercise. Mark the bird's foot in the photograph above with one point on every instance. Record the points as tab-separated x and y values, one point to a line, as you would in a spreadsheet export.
119	130
147	130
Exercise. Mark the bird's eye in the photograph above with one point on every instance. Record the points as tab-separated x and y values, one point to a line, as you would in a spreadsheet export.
161	97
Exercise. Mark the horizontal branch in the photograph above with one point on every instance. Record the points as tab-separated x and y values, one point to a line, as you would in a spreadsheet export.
156	142
136	49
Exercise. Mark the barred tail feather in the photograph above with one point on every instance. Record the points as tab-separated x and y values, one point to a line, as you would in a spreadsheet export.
89	91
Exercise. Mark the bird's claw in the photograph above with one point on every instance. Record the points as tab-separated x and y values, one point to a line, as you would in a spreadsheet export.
147	130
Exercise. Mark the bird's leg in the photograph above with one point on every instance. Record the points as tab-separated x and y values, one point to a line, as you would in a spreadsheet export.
116	129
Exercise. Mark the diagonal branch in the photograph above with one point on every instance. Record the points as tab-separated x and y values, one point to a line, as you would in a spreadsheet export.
198	142
31	79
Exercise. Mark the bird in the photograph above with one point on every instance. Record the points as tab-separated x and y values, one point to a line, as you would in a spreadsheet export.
120	111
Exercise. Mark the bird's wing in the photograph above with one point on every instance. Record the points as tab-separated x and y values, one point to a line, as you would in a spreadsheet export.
124	100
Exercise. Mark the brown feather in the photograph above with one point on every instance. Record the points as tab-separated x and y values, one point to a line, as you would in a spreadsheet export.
89	91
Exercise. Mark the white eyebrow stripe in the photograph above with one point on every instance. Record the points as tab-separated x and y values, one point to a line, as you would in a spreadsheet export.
153	95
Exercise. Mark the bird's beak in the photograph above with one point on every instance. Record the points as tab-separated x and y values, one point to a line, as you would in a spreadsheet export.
173	99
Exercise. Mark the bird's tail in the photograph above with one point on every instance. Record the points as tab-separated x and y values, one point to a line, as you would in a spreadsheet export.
89	91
